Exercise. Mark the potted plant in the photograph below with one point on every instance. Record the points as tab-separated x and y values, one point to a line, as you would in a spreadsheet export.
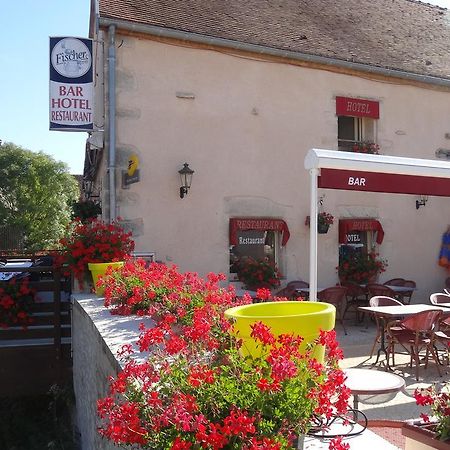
430	431
16	301
324	220
93	242
256	274
195	389
366	147
361	268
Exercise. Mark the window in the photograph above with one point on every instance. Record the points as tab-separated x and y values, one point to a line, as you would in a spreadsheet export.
258	245
354	130
357	119
358	236
358	242
261	239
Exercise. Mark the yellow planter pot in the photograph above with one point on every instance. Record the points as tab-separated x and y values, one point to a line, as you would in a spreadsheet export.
304	319
99	269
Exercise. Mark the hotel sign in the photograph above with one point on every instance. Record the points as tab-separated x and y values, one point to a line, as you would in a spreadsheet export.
357	107
71	84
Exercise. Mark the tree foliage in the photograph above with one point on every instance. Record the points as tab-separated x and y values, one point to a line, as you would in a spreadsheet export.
35	196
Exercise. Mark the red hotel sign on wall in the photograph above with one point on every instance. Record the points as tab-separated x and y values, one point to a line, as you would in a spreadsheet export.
261	224
357	107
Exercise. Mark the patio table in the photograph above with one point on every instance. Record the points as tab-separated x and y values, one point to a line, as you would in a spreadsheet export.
371	382
385	313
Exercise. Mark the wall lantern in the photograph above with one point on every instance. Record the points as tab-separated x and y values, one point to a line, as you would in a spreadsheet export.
186	179
422	201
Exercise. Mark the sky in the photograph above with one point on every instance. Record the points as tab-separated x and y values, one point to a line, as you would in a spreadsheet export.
24	75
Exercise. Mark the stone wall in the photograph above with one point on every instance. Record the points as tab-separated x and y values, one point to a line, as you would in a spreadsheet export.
96	337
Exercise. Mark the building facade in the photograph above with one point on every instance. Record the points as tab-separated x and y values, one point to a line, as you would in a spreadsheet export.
232	93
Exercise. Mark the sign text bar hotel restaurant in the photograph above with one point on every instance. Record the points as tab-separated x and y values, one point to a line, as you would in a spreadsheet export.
357	107
71	84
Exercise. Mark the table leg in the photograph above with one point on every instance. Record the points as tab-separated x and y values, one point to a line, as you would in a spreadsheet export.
382	348
355	407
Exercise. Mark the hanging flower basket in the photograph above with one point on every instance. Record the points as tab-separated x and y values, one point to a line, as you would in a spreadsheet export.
324	220
322	228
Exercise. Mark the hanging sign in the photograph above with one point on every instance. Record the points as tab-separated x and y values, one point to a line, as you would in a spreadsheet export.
71	84
357	107
131	175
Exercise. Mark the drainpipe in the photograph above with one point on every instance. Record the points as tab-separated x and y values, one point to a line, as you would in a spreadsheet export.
112	121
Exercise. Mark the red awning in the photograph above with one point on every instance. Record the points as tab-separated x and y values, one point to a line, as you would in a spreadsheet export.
348	225
261	224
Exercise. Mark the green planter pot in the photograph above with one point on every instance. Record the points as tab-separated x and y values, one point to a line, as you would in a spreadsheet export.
304	319
98	270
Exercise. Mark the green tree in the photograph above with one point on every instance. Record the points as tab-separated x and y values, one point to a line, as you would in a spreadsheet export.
35	196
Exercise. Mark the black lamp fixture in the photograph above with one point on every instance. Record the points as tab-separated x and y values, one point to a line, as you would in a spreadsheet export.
422	201
186	179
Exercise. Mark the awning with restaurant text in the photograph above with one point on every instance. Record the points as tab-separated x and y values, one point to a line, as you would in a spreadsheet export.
261	224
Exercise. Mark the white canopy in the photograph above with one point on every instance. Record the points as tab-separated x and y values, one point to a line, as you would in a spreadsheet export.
365	172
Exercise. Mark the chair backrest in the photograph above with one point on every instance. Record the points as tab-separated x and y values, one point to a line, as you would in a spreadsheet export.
375	289
287	292
423	321
353	289
447	291
439	297
395	282
334	294
382	300
297	284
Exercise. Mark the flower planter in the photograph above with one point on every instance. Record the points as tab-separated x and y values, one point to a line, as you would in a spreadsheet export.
322	228
99	269
422	437
304	319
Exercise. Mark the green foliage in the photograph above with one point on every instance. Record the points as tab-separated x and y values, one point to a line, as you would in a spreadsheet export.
86	210
35	194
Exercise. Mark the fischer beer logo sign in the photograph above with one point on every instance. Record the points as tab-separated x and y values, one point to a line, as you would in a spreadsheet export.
71	84
71	58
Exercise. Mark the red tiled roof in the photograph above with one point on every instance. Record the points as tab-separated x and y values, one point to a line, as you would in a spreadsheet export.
405	35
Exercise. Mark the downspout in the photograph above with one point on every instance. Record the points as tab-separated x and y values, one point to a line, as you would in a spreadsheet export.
112	121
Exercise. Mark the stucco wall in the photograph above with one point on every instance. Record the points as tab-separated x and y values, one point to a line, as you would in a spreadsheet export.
96	337
246	134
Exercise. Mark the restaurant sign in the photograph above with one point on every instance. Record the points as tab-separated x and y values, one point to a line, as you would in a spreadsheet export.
71	84
260	224
357	107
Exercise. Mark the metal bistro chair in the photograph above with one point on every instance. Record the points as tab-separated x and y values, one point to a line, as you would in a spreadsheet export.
442	336
356	296
336	296
439	297
381	300
416	333
297	286
288	292
376	289
395	282
405	296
